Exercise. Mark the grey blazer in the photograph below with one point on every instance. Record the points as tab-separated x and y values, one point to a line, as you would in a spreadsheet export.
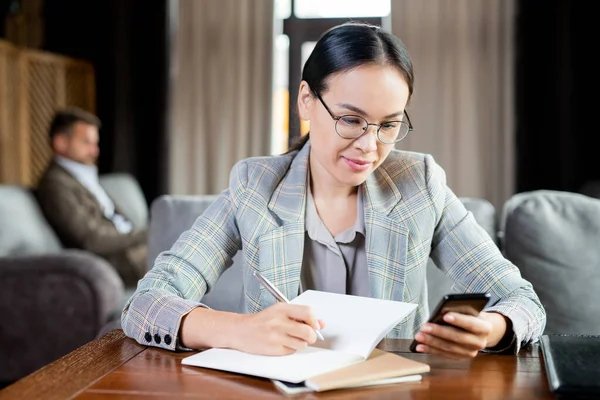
409	214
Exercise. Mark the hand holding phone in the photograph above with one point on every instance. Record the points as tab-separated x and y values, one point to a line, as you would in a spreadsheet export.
463	303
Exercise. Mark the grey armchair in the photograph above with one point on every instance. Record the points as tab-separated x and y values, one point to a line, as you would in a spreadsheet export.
52	300
554	238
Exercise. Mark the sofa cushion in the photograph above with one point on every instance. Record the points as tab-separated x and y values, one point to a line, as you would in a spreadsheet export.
553	237
128	196
23	228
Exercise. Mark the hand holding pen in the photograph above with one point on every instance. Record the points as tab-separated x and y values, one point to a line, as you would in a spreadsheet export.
279	296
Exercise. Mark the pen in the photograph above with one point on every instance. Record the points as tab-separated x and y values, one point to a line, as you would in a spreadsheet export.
278	295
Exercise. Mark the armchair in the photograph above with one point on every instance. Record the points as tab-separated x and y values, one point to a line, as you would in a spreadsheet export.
553	237
52	300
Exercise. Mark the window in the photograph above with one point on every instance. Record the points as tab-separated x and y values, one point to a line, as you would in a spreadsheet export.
301	23
280	136
341	8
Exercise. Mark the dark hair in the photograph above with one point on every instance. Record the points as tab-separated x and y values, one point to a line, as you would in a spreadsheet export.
63	120
349	46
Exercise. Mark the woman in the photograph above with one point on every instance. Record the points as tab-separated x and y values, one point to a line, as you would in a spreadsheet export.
342	211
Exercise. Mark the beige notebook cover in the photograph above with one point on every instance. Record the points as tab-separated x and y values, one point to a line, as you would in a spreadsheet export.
379	366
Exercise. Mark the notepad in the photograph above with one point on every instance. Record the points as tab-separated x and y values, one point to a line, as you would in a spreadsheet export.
354	327
381	368
354	377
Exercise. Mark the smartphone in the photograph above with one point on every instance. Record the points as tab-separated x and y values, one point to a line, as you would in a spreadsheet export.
464	303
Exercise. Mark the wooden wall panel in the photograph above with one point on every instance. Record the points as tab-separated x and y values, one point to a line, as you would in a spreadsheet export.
9	116
33	85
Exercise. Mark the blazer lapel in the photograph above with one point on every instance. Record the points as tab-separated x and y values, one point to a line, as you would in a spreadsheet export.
386	237
281	250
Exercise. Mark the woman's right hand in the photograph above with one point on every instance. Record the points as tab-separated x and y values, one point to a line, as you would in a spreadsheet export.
277	330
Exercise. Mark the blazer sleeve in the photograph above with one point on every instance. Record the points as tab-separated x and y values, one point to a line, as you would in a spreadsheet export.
465	252
182	275
81	223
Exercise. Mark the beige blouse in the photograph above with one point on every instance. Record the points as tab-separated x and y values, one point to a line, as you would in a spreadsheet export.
334	264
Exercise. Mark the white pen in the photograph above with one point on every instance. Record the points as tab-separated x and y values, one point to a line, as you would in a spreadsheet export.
279	296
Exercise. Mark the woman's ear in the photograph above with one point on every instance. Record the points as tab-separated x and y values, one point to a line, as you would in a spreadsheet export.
305	101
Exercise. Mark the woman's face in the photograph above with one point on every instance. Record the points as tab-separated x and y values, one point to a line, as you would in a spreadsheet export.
376	93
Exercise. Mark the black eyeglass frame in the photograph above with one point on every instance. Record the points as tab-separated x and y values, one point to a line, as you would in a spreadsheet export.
336	119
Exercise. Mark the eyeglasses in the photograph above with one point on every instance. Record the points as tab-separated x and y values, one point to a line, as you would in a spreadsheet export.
354	126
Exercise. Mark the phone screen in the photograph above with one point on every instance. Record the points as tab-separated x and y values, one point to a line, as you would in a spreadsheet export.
464	303
463	306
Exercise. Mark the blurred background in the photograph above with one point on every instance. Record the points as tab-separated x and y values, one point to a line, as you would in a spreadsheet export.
504	95
505	100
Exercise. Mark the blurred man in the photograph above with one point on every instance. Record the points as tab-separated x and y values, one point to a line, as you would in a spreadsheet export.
75	204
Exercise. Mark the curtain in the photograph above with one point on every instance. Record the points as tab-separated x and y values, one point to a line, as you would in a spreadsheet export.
127	42
463	107
221	90
556	123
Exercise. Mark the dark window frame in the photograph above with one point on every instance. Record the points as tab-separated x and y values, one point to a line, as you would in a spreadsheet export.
301	30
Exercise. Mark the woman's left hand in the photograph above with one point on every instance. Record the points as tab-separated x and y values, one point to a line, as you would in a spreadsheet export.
464	337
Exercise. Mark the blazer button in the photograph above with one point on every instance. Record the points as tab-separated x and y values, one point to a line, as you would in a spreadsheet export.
157	338
148	337
167	339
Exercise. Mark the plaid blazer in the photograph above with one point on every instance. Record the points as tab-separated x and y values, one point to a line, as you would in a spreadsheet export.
410	214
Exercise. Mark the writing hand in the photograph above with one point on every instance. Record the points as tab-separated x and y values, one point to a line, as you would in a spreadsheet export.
278	330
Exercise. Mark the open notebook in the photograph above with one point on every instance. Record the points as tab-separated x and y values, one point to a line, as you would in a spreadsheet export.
354	326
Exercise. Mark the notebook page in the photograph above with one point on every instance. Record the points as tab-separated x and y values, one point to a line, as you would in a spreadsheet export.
294	368
353	324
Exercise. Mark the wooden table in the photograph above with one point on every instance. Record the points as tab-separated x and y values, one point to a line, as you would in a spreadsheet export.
116	367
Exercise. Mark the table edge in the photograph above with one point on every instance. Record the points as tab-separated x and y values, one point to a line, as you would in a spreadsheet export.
92	361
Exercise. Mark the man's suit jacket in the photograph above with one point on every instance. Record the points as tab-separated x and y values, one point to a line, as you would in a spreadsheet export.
78	220
409	214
